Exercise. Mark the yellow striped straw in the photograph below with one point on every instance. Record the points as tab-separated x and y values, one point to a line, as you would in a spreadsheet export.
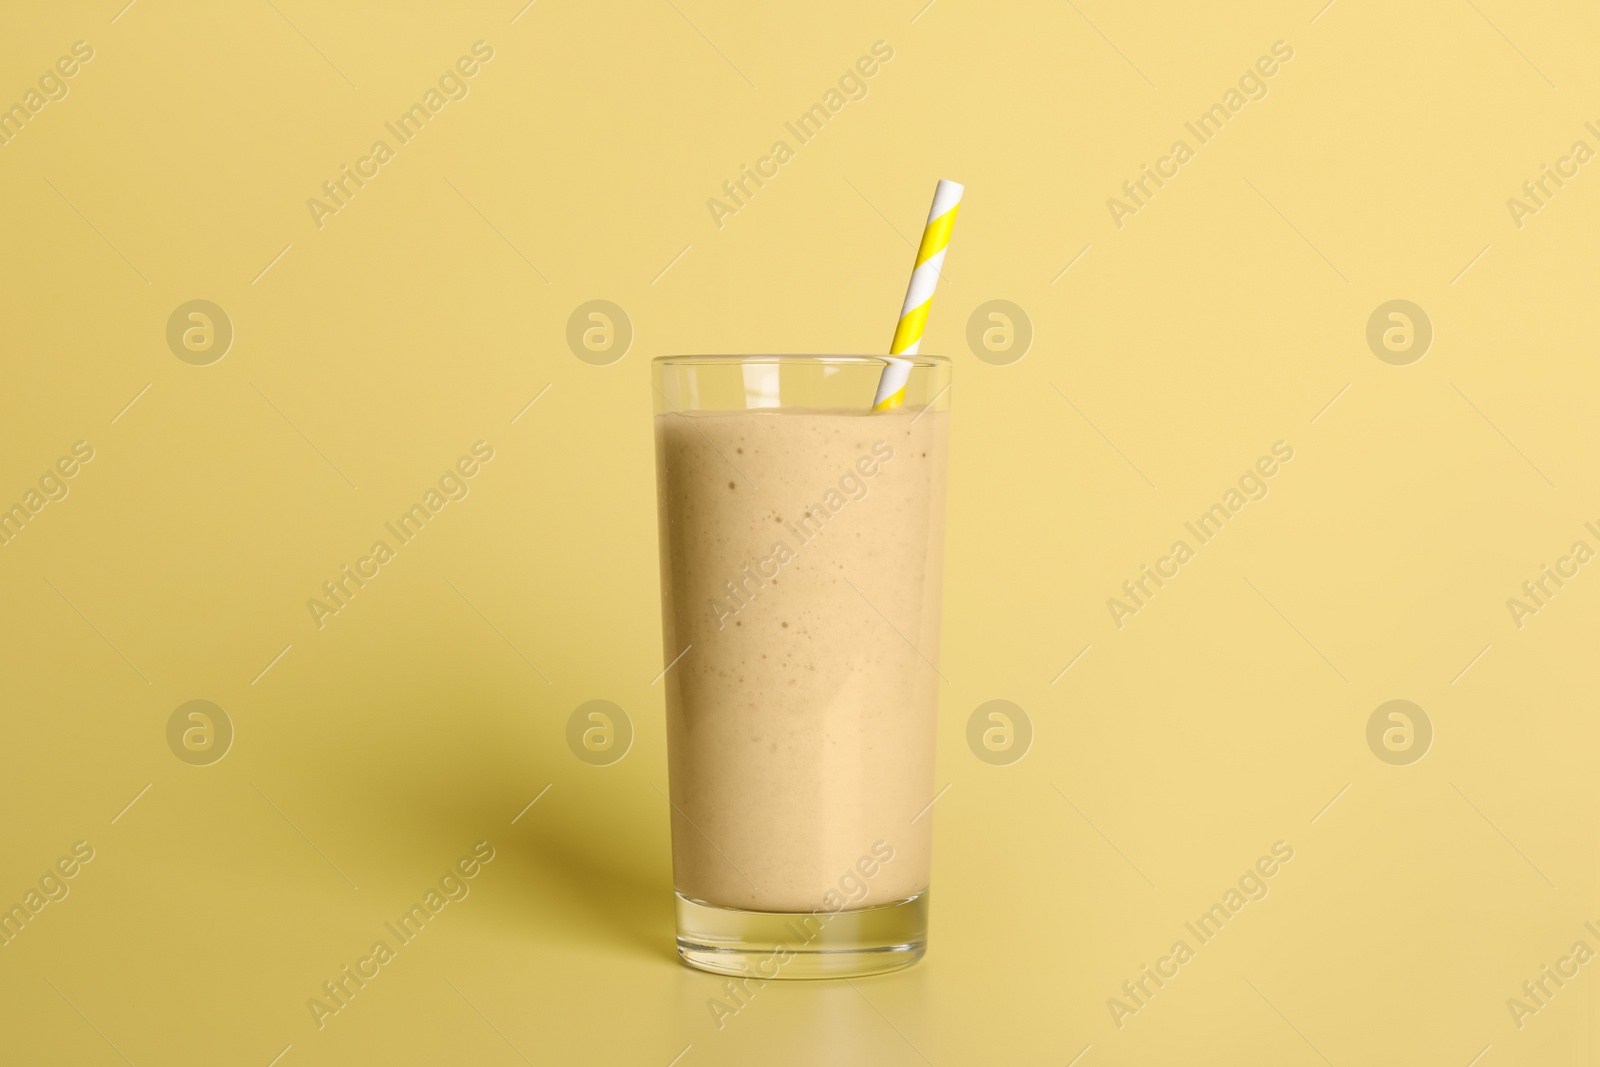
919	294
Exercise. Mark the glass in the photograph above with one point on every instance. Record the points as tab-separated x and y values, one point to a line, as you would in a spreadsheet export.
802	545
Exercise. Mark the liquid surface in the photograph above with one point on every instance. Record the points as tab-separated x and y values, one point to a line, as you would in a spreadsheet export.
801	560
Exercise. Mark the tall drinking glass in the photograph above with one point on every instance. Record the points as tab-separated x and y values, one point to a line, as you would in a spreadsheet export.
802	543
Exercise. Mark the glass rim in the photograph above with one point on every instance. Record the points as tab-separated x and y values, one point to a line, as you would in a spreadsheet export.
759	359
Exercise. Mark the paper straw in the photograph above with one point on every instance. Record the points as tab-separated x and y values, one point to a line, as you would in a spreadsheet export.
919	294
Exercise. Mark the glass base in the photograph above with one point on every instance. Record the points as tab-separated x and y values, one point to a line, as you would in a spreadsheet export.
764	945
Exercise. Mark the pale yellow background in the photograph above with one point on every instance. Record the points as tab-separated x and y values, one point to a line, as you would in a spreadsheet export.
1225	316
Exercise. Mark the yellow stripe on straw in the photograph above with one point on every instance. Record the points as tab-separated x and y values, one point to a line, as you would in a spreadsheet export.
919	294
937	235
909	330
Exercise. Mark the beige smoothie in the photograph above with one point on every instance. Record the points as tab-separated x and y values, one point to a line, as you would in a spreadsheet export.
801	554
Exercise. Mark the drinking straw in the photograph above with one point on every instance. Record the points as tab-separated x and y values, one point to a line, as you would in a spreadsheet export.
919	294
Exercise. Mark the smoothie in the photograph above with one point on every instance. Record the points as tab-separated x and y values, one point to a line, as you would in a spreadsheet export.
801	555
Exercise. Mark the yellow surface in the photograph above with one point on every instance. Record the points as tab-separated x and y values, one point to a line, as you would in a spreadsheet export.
1229	312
